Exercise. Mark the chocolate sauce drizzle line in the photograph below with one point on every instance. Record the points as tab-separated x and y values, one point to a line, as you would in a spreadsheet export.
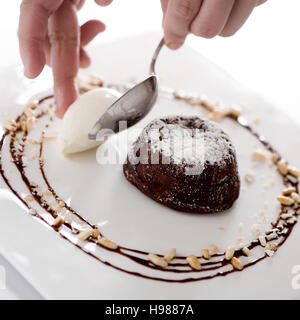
211	265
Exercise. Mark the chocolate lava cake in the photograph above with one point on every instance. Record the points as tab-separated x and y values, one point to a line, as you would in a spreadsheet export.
185	163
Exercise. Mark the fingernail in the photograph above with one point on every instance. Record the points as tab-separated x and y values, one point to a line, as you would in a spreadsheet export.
174	45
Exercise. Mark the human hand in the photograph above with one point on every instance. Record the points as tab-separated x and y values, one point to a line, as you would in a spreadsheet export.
49	33
204	18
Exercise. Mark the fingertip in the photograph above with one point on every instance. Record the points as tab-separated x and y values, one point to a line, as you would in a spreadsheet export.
174	45
65	94
104	3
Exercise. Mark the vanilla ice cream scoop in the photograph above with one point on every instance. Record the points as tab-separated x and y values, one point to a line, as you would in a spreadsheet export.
81	116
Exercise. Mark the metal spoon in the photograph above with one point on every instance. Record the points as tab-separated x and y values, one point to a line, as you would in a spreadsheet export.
131	107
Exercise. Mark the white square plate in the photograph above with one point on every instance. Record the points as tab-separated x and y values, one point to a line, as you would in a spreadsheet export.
102	195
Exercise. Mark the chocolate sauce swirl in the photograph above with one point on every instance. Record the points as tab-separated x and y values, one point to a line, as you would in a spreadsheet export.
18	141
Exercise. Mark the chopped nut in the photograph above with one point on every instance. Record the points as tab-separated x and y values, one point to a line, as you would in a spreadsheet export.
292	179
288	191
170	255
235	110
32	212
49	138
262	240
256	120
272	236
31	105
269	252
30	123
240	239
58	222
275	157
194	262
33	141
229	252
296	197
285	216
292	220
47	193
29	112
85	234
246	251
95	233
210	106
158	261
249	177
282	166
298	212
271	246
259	155
23	126
29	198
294	171
212	249
61	204
205	254
287	201
216	115
10	125
236	263
108	244
33	184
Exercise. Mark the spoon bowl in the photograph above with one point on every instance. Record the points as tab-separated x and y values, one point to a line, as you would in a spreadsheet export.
131	107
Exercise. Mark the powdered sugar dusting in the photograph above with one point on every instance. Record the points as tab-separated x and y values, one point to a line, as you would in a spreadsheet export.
188	141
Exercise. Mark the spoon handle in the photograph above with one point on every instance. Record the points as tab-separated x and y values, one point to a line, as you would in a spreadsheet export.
155	55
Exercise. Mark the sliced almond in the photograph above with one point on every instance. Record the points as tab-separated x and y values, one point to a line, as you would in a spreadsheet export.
229	253
85	234
205	254
108	243
287	201
170	255
294	171
158	261
246	251
288	191
237	263
213	249
194	262
282	166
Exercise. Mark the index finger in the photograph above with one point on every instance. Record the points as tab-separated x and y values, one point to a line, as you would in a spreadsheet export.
64	37
33	25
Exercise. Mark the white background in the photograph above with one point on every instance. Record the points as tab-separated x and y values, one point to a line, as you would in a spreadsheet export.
264	55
